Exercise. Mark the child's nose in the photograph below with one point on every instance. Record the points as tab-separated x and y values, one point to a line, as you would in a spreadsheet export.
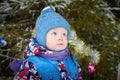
60	37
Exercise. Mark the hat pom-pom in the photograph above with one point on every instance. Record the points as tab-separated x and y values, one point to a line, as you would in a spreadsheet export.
91	68
46	10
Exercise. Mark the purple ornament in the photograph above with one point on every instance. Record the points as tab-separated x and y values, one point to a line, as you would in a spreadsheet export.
15	64
91	68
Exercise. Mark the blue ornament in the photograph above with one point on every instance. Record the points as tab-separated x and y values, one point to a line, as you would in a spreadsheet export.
2	42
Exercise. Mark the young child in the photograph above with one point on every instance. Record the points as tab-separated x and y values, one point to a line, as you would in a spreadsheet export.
46	56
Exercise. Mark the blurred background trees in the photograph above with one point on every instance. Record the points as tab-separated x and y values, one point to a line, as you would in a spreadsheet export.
96	22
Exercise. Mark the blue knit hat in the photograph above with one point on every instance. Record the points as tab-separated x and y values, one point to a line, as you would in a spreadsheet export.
48	20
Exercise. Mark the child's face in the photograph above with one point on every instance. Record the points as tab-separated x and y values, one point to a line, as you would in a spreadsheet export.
56	39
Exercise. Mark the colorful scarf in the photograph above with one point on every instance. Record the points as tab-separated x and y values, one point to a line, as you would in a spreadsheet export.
33	49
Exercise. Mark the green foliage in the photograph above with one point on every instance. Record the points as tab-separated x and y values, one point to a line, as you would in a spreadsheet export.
96	28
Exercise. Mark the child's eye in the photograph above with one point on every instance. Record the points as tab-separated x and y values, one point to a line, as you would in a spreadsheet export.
54	33
64	34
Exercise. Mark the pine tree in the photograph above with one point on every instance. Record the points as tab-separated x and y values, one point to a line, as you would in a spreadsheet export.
98	28
95	27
